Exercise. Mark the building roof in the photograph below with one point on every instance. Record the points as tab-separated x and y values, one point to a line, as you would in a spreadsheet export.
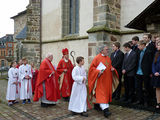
22	34
7	38
19	14
141	20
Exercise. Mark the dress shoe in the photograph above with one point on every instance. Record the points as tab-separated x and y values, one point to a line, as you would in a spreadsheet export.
117	98
51	104
74	113
129	101
146	104
138	103
66	99
106	112
44	105
85	114
97	107
123	99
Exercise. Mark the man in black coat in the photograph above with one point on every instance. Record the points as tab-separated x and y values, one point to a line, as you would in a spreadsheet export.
150	45
117	60
129	70
143	73
135	40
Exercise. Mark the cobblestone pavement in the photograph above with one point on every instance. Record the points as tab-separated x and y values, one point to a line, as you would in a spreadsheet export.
33	111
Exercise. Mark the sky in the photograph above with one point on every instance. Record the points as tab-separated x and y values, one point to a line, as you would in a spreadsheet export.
8	9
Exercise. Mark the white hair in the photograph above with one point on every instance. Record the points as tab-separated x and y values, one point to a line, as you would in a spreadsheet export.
49	54
100	48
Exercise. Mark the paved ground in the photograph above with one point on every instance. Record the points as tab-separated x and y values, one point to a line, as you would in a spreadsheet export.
33	111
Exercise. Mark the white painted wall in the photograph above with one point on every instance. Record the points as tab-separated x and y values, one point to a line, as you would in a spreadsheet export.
79	46
130	9
51	20
86	16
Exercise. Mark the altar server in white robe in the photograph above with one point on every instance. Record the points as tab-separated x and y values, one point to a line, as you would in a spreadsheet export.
78	98
25	76
13	86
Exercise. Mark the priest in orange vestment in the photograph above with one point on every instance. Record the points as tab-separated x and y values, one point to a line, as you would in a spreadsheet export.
100	80
47	87
64	69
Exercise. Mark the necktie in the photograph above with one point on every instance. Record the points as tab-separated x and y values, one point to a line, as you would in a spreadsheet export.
127	55
115	54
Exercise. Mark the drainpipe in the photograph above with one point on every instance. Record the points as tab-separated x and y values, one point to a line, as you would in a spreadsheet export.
40	31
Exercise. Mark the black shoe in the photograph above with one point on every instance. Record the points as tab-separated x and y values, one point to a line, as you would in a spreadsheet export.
146	104
51	104
66	99
85	114
97	107
29	101
123	99
106	112
138	103
74	113
117	98
129	101
44	105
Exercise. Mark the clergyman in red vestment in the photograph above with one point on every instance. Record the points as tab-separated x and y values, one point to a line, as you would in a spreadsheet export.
47	87
100	80
64	69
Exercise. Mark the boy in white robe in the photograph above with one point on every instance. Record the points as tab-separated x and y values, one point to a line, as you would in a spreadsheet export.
78	98
13	86
25	77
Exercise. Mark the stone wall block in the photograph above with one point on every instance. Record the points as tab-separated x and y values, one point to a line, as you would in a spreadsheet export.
101	9
118	5
100	23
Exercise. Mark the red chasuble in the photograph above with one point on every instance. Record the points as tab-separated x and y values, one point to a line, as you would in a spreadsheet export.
103	84
66	81
51	82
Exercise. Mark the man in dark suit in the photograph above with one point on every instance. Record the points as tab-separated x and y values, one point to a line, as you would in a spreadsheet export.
129	70
117	61
135	40
143	73
150	45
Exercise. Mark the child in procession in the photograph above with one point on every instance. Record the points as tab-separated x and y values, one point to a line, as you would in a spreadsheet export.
13	84
78	99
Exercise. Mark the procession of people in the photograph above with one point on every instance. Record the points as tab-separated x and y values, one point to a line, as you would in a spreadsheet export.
138	66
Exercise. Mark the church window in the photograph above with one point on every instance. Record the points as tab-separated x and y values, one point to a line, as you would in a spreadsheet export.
70	17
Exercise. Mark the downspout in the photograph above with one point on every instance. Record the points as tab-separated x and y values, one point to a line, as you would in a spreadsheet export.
40	31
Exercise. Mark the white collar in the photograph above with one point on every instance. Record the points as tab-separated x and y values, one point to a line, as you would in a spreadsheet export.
129	52
148	43
65	60
102	54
